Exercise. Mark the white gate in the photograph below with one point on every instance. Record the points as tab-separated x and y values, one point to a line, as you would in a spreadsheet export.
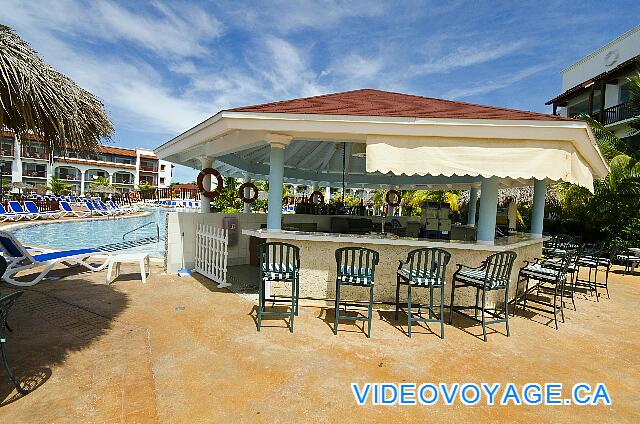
211	253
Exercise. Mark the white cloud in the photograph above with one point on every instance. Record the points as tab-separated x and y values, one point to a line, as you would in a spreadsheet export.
284	16
465	56
493	85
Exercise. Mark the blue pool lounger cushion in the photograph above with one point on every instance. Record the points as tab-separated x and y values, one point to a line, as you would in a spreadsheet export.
19	259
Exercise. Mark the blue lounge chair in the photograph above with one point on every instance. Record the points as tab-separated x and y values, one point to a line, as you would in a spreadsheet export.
19	259
94	209
103	207
16	208
8	216
67	210
33	208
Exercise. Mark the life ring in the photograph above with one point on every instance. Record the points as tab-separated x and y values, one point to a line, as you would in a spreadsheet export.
316	197
134	195
241	195
209	194
392	194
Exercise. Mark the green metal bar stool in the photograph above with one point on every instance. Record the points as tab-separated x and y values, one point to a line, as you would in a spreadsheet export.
425	268
356	266
493	274
278	262
6	303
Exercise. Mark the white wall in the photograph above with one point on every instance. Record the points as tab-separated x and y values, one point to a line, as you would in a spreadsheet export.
621	49
188	222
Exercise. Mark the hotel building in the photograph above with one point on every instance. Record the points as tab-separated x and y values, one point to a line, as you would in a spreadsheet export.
30	161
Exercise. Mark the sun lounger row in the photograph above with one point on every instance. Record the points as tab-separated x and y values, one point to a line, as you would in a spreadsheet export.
188	204
31	211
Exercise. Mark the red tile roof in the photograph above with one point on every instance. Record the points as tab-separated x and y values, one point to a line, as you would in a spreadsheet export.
148	157
369	102
117	151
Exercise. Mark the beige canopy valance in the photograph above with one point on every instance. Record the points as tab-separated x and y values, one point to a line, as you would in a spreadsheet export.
508	159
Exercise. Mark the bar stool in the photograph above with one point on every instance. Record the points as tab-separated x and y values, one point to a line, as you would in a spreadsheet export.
356	266
278	262
549	279
493	274
426	268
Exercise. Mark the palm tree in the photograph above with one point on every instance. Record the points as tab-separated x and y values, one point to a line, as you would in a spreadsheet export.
100	181
57	186
37	99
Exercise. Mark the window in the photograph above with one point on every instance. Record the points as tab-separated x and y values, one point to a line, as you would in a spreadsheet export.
161	180
7	146
34	170
162	167
625	92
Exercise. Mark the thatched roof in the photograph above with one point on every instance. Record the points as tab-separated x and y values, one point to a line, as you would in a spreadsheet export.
102	189
520	195
37	99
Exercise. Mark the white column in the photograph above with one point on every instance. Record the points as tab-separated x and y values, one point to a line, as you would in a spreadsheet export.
49	174
537	214
110	178
488	210
473	200
205	204
327	195
246	208
278	143
16	165
82	176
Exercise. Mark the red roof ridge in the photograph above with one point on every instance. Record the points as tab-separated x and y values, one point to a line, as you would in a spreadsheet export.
459	110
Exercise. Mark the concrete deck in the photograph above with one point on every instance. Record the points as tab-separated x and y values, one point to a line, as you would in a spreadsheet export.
180	350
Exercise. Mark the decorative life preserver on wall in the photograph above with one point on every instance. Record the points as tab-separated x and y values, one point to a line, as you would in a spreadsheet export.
395	195
253	187
209	194
316	197
134	196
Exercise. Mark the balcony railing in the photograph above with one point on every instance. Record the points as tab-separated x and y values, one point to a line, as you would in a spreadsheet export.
149	168
122	181
7	151
70	177
36	174
33	154
615	113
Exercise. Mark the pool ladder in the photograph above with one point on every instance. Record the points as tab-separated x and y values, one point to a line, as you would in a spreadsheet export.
142	226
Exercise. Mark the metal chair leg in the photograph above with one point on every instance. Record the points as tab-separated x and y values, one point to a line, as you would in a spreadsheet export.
442	312
294	301
260	302
337	310
506	308
451	303
484	326
409	308
9	373
370	312
397	297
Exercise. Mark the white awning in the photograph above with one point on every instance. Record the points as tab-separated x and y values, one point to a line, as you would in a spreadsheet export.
518	160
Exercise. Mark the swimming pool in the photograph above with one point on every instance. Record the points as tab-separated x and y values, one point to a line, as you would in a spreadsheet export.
77	234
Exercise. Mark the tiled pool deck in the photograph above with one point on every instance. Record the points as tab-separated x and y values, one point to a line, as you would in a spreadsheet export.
180	350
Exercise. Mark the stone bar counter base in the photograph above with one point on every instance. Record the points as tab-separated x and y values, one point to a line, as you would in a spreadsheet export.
318	264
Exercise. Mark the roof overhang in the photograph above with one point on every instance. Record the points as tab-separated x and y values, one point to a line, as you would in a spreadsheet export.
237	140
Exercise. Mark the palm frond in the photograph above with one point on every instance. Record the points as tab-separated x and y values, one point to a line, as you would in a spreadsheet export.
609	143
36	99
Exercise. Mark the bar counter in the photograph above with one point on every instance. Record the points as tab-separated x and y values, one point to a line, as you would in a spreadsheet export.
318	264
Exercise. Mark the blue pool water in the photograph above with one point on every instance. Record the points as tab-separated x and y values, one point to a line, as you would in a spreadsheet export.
79	234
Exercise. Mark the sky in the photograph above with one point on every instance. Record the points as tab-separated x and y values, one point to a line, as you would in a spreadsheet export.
162	67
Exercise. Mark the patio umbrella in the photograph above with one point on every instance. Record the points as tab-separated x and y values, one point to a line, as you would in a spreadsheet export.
102	189
37	99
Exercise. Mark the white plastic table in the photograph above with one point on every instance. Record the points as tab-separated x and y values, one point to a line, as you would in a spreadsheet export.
116	260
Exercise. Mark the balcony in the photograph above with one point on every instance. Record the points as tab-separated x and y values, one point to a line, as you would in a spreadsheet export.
615	114
148	168
34	174
34	154
123	180
69	176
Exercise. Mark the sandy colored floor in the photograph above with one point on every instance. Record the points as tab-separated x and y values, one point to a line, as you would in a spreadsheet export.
180	350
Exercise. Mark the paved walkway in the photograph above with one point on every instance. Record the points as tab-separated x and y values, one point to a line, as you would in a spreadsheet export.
179	350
